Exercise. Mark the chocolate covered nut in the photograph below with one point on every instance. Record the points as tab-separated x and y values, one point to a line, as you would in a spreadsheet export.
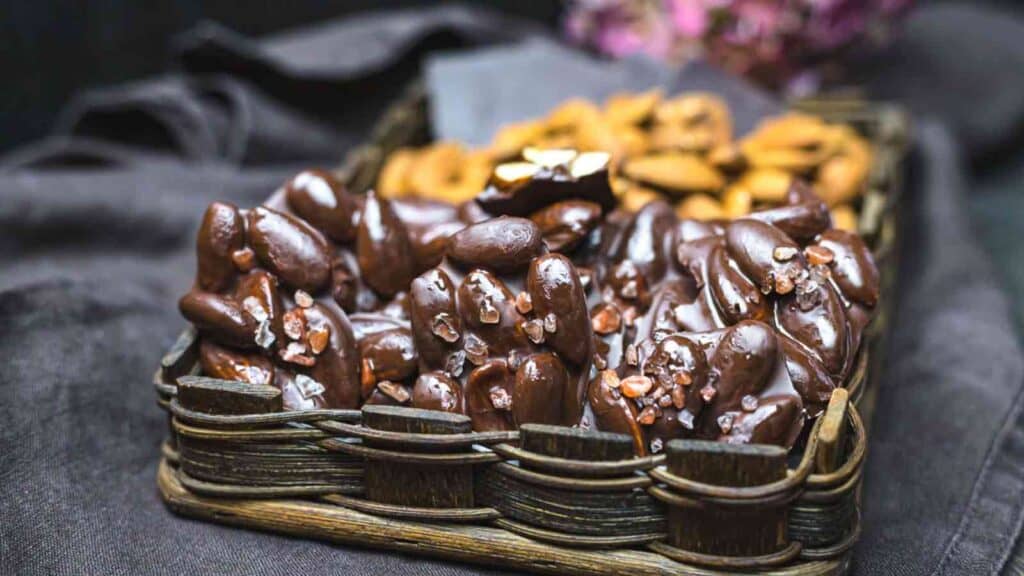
523	190
541	382
809	377
743	362
385	256
322	201
226	364
344	283
813	315
291	249
765	254
753	398
853	268
221	318
679	367
564	225
336	369
436	325
612	411
736	297
429	224
502	244
389	393
487	306
391	354
558	298
221	234
299	391
648	240
437	391
804	217
776	420
489	392
258	293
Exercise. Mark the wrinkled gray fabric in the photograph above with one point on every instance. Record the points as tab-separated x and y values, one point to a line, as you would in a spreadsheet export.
97	228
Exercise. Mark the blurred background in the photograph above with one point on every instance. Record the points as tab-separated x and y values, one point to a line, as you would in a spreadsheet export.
54	48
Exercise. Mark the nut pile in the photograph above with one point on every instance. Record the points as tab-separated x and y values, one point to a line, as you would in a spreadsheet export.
682	149
537	301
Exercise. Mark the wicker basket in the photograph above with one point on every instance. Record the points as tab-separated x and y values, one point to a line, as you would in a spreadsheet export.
546	499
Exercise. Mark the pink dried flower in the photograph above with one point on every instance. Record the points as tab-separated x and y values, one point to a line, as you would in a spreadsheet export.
775	42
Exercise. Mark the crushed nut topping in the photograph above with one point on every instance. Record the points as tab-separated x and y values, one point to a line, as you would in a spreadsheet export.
749	403
647	415
534	330
393	390
255	308
550	323
489	314
308	387
605	319
443	326
294	327
635	386
264	336
784	253
244	259
318	339
303	299
295	353
818	255
524	303
708	393
501	399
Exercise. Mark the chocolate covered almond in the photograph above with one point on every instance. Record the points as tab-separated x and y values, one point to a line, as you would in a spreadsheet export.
541	383
221	235
502	244
436	390
290	248
226	364
320	199
489	390
221	318
385	256
390	354
564	225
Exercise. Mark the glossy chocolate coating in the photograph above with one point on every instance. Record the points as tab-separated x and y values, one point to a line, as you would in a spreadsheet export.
385	255
437	391
802	218
226	364
221	234
491	380
540	380
502	244
612	411
853	268
565	224
219	317
320	199
547	186
293	250
337	367
432	309
754	247
391	353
